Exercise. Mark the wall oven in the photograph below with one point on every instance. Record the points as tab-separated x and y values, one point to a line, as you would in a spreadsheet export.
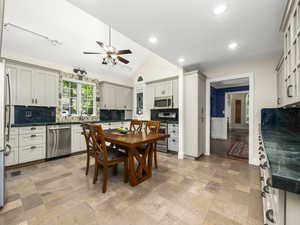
163	102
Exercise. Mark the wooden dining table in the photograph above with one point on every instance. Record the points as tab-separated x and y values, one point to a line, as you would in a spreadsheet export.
140	164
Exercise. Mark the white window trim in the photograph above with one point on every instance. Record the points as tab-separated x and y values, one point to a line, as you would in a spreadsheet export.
79	83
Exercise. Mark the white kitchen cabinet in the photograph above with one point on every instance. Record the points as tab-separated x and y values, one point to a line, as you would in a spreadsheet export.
38	88
163	89
32	143
24	87
108	96
194	116
33	87
78	143
32	153
173	140
289	66
128	98
115	97
12	158
51	81
175	93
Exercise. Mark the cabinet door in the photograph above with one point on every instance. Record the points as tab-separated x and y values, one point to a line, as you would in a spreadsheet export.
24	87
78	141
119	97
51	90
159	90
127	98
39	88
175	93
150	94
108	96
13	73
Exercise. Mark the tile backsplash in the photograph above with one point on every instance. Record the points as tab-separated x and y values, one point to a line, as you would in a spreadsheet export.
59	117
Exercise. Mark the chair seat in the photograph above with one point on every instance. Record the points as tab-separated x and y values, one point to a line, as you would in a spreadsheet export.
114	155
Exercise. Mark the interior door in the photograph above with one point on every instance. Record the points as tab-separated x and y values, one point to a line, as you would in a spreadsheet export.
238	111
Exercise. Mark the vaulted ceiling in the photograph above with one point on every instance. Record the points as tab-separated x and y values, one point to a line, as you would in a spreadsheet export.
190	29
74	28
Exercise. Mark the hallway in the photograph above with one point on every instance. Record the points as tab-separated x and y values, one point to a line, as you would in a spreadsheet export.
235	147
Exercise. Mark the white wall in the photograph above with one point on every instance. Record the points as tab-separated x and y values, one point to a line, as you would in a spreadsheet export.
154	68
265	85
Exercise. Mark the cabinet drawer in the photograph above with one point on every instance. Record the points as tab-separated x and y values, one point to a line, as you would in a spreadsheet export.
32	139
32	153
32	130
12	158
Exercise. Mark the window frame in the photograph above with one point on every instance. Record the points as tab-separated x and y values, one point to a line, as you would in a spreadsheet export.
79	96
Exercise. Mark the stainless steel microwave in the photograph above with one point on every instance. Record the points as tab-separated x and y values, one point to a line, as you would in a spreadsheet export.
163	102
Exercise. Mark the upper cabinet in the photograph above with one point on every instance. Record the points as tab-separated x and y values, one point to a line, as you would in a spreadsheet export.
162	89
288	70
115	97
33	87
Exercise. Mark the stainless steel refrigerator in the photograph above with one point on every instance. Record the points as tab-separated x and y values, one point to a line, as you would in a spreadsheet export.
5	126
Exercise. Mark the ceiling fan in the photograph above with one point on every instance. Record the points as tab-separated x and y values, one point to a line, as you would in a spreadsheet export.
112	55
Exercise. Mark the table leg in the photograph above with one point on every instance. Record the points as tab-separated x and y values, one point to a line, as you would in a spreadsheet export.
131	166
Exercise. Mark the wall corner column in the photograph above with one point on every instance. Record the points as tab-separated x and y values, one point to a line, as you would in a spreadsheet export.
181	113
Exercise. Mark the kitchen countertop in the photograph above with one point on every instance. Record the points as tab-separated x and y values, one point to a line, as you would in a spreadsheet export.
283	150
66	123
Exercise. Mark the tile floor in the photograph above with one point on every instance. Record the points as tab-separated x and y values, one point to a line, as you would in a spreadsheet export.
210	191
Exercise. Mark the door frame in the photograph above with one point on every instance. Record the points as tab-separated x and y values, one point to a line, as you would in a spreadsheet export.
250	76
226	108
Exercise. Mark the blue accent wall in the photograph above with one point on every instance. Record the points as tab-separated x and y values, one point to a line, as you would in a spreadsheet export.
218	99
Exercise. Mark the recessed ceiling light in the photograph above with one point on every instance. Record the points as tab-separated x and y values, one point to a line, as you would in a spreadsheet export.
218	10
232	46
181	60
152	39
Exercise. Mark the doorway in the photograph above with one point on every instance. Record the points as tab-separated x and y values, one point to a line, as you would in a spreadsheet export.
229	120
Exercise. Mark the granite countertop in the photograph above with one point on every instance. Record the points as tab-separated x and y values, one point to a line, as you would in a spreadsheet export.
66	123
283	150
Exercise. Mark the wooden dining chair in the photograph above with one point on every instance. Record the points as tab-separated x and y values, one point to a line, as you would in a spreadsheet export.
104	157
89	145
151	127
136	125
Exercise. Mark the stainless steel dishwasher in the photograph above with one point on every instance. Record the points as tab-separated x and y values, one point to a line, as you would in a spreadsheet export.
58	141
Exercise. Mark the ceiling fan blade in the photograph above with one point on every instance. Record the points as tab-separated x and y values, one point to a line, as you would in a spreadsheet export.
123	52
121	59
100	44
95	53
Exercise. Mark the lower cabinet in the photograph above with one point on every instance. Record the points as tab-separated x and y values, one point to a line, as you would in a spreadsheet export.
32	144
32	153
78	140
173	140
13	157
